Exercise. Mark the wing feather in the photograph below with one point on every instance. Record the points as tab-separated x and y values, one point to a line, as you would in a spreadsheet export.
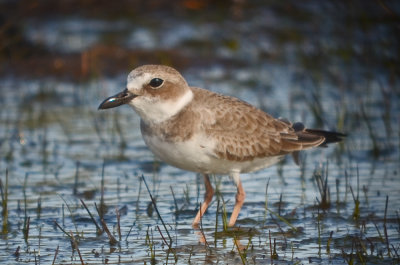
243	132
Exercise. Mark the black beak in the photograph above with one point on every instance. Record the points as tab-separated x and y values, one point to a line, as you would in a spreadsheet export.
117	100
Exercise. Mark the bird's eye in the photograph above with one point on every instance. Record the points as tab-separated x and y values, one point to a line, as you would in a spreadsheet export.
156	82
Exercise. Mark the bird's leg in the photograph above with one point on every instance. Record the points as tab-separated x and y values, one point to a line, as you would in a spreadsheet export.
240	196
207	199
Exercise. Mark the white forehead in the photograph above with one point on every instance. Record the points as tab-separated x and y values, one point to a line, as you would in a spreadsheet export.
143	75
136	80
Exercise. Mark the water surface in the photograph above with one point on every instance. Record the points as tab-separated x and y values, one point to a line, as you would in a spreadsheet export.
333	65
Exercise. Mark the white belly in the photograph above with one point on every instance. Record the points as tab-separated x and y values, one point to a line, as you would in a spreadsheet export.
197	155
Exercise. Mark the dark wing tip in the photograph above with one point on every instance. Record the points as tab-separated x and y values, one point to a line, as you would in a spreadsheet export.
330	137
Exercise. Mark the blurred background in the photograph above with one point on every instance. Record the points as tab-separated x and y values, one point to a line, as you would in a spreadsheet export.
334	64
80	40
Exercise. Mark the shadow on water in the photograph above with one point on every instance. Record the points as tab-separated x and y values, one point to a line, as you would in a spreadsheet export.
72	178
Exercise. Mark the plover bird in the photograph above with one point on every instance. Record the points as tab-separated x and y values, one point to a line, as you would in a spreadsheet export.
198	130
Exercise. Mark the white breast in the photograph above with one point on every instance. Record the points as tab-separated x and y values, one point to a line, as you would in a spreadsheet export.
197	155
189	155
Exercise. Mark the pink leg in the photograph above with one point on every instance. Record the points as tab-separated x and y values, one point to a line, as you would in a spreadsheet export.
207	199
240	196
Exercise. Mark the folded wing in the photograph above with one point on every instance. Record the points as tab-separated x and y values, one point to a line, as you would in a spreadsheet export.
244	132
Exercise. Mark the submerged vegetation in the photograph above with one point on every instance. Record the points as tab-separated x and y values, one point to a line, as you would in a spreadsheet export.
78	186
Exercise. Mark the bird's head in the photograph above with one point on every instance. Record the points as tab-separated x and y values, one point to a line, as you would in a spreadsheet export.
155	92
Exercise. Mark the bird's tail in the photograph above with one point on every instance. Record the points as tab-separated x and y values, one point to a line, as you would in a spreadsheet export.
330	137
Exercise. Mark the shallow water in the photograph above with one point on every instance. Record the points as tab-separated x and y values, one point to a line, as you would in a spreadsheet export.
329	65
